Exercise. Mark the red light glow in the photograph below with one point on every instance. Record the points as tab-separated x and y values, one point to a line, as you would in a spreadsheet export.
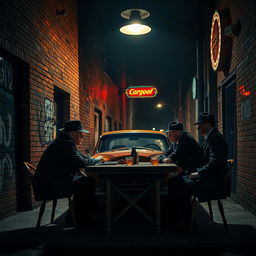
243	92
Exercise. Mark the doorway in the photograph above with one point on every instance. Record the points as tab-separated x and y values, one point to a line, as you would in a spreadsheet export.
229	122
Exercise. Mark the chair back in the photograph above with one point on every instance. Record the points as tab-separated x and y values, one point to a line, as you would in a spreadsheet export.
227	180
30	168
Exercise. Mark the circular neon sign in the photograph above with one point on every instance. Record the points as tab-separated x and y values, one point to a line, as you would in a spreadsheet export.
215	42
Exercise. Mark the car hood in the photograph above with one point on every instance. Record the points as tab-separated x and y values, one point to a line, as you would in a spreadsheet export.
144	155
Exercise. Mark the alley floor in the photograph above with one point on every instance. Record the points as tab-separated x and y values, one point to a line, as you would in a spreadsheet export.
131	234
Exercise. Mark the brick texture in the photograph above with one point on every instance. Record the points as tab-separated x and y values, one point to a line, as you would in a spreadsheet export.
42	38
243	63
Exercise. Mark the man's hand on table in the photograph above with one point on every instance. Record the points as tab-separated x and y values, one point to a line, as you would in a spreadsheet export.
99	159
121	161
194	175
167	160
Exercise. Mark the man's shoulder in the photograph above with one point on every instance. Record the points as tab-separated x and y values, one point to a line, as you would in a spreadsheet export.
216	137
188	136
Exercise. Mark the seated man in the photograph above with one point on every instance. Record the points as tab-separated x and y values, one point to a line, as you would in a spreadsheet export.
183	152
208	178
58	165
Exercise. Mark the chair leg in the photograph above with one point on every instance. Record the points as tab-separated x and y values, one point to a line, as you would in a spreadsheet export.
71	207
210	210
41	212
222	215
54	204
194	210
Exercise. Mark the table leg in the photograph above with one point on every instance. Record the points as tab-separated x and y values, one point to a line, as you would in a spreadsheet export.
108	206
157	206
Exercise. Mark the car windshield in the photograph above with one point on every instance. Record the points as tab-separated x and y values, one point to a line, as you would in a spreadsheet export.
124	140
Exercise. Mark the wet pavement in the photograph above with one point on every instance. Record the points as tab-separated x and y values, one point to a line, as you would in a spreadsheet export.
130	234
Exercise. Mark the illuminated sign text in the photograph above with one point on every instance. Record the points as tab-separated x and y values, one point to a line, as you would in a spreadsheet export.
141	92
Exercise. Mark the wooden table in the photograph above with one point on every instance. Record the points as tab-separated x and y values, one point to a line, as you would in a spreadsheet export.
145	171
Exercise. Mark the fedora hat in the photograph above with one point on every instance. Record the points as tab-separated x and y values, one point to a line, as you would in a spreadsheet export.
73	125
174	126
205	117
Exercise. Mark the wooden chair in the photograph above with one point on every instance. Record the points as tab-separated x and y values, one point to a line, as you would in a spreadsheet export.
32	170
227	186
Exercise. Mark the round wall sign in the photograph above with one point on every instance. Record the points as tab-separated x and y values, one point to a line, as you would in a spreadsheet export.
220	44
215	42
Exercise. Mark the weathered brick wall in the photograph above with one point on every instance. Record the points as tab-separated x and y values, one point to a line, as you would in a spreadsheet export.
97	91
31	31
7	139
243	63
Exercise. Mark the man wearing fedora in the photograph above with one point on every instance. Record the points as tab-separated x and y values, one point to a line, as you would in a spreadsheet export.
208	179
58	166
183	152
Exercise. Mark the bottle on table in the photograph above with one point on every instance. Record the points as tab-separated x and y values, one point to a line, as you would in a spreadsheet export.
135	155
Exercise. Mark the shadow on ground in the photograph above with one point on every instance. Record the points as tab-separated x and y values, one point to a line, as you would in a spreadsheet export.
132	233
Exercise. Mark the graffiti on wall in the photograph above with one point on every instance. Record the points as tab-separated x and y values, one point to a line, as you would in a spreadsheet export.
46	122
7	148
6	75
245	109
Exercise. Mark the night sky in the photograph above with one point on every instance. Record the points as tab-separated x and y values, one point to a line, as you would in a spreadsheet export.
164	57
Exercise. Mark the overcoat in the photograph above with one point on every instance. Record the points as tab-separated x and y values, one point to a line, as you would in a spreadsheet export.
55	170
184	153
212	167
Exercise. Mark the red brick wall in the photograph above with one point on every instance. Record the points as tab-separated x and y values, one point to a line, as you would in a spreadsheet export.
243	63
31	31
98	89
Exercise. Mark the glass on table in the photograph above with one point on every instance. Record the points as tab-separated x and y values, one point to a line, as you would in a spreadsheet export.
154	160
129	160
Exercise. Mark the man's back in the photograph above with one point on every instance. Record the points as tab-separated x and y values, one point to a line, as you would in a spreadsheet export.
213	157
185	152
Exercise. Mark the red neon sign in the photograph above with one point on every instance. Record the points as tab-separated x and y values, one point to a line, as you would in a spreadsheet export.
243	92
141	92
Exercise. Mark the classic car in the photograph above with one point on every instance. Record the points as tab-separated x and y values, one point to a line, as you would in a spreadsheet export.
116	145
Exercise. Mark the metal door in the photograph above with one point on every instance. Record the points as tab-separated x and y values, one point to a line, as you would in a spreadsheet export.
230	125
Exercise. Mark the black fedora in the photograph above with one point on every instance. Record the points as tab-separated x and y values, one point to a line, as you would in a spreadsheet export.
205	117
174	126
73	125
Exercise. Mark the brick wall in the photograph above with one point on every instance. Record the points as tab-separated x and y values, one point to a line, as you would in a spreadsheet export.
243	64
97	91
48	43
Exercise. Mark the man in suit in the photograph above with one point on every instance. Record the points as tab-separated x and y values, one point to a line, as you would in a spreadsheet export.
208	179
58	166
183	152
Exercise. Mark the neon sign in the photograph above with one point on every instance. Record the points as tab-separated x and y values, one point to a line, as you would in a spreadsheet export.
141	91
215	43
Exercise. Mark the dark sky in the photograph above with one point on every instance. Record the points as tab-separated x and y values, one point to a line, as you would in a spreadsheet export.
165	57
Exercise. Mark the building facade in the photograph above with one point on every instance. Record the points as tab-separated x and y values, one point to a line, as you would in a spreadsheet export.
226	77
40	88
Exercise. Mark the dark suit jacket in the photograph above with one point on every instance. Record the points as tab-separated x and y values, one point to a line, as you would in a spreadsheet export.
184	154
58	163
212	166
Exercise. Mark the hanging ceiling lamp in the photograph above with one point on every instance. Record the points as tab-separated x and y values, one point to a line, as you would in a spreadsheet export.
135	25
